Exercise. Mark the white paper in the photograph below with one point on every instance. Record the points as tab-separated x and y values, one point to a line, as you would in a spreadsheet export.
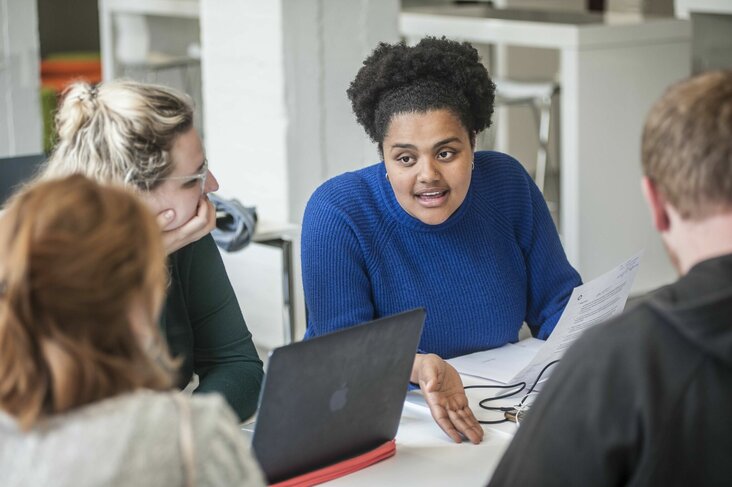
590	304
501	363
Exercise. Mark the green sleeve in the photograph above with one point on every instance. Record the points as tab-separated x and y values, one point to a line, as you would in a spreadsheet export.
205	327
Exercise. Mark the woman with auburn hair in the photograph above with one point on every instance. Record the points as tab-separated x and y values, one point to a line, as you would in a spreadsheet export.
84	372
142	135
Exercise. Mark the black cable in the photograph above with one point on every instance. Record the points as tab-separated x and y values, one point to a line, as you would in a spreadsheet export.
521	386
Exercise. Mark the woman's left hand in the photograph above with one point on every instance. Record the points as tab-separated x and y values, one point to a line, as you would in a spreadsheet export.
443	390
191	231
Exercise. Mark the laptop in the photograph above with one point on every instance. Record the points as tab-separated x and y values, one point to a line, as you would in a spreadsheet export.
336	396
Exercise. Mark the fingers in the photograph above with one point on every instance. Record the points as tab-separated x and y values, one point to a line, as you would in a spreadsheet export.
448	427
165	217
443	390
200	225
207	214
445	395
458	423
454	417
464	421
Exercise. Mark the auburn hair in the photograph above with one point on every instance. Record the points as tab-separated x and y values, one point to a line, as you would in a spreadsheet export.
77	260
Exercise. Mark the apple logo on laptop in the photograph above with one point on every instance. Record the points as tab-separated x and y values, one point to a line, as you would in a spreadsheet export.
339	398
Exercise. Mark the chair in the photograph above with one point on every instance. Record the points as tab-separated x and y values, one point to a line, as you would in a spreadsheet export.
539	96
16	170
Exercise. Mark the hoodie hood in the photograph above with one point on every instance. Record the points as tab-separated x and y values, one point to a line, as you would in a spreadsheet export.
699	306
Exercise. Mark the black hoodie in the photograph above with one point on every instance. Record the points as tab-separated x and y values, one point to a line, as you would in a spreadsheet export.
645	399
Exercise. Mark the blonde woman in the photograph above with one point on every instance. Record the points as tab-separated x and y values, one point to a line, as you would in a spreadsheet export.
84	372
142	136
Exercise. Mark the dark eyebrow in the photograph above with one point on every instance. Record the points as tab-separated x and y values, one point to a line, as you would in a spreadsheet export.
446	141
404	146
435	146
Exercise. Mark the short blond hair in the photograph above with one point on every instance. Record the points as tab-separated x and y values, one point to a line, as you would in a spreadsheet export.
119	131
75	258
687	145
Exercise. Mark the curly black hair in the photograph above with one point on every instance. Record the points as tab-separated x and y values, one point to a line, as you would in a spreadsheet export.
434	74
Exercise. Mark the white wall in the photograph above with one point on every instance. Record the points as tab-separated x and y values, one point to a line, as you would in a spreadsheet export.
278	122
20	107
275	76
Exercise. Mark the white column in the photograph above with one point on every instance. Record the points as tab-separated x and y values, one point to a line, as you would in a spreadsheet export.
604	217
277	118
20	106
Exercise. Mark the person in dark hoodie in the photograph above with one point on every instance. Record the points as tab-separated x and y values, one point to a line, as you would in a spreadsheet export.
646	398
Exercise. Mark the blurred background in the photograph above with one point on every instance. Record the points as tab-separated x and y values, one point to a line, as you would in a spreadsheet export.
269	80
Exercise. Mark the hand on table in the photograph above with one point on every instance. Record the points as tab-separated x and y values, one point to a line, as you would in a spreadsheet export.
445	396
200	225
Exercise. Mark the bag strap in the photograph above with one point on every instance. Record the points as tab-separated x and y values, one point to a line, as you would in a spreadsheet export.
186	440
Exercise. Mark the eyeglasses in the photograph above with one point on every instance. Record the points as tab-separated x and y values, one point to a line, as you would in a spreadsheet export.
202	175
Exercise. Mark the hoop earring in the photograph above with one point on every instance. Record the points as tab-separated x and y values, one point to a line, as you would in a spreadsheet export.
472	166
386	175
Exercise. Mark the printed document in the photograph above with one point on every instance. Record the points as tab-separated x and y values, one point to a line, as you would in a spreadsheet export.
591	303
499	364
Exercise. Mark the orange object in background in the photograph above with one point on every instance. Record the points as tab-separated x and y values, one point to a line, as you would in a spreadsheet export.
59	71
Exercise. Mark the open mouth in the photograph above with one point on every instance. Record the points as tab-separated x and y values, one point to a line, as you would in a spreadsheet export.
432	198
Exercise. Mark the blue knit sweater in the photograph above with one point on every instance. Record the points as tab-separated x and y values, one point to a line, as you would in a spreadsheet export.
495	263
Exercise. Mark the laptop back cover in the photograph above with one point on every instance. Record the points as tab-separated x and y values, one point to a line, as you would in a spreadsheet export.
335	396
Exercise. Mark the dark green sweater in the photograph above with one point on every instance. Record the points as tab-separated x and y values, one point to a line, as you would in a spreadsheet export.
205	328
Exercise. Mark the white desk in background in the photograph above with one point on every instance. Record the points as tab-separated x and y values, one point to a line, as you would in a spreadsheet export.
612	68
108	9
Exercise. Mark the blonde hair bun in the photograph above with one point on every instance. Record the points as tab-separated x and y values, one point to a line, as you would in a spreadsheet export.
119	131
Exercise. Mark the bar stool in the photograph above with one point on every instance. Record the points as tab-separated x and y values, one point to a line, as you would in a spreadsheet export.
539	96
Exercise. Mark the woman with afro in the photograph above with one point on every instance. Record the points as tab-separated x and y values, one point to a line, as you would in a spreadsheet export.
464	234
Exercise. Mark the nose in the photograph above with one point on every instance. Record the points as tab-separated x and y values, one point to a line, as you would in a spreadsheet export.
212	184
429	171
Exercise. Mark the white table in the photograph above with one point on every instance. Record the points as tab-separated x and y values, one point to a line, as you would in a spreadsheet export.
684	8
611	70
426	456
